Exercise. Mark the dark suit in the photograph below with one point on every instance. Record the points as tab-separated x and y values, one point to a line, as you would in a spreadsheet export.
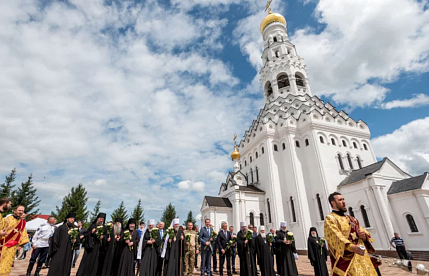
222	241
160	264
234	252
205	254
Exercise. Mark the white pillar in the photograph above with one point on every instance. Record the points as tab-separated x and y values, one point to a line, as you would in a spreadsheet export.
383	209
236	214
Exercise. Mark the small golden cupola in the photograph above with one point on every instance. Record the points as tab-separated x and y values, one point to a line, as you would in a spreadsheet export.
235	154
270	18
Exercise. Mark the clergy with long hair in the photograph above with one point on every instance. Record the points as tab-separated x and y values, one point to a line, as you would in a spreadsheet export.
113	252
246	251
175	251
128	249
317	253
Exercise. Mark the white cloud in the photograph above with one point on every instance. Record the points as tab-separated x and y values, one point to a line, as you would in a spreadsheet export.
407	147
100	182
190	185
198	218
416	101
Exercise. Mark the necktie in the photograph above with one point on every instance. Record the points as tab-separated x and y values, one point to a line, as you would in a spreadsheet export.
160	233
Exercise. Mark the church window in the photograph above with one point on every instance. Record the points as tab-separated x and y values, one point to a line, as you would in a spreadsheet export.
283	146
299	80
350	161
319	204
333	141
240	166
344	143
365	216
251	159
256	155
412	224
297	144
257	174
275	39
261	219
251	175
252	218
322	140
277	53
269	89
355	145
307	143
283	81
263	151
245	163
359	162
275	148
340	160
292	208
269	210
351	213
365	147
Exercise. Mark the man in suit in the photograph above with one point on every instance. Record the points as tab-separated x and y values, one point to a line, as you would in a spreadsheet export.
206	248
222	240
160	264
233	248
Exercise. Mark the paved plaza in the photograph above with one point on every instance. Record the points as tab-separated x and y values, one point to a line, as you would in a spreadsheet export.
304	268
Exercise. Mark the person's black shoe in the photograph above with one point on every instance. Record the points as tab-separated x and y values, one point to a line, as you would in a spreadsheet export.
234	272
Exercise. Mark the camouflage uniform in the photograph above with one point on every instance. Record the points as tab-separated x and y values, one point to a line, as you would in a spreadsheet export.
190	252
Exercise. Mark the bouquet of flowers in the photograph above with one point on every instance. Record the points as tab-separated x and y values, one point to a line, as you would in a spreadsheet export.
290	236
74	232
322	243
249	236
99	231
213	236
170	233
188	238
154	234
109	227
127	237
271	239
228	246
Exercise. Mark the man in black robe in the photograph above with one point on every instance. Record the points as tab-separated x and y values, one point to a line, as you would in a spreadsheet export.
148	250
175	254
263	253
317	253
285	251
246	251
93	258
111	261
128	249
61	248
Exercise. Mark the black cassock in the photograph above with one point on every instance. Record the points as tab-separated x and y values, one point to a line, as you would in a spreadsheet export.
93	257
61	252
265	259
175	255
113	253
128	255
286	259
246	254
318	256
149	255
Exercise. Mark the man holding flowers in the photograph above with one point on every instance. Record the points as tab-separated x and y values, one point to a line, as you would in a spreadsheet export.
285	243
191	248
317	253
224	243
246	251
149	244
128	249
113	252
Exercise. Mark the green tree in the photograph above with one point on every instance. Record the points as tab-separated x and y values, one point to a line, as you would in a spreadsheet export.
138	212
168	215
120	212
96	211
26	196
190	218
7	187
75	202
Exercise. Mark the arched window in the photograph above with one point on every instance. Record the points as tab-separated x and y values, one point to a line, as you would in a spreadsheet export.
252	219
349	158
355	145
245	163
322	140
251	175
299	80
275	148
269	89
256	155
344	143
283	146
365	217
351	213
319	204
365	147
275	39
240	166
257	174
261	219
297	144
333	141
412	223
283	81
306	142
251	159
277	53
340	160
292	208
359	162
262	149
269	210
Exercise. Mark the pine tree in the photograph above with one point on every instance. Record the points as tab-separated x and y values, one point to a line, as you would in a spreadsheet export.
7	187
26	196
75	202
96	211
121	212
189	219
169	214
138	212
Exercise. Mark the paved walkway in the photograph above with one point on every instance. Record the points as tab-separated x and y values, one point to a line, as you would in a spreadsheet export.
304	268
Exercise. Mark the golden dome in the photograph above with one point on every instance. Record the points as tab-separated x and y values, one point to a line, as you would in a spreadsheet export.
270	18
235	154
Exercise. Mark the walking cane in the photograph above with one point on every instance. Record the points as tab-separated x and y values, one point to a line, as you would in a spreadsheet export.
181	245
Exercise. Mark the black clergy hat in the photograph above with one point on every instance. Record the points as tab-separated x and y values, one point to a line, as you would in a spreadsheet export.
131	221
71	215
100	215
313	229
118	220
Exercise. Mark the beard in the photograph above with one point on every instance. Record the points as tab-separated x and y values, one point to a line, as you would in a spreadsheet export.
69	224
5	207
314	235
132	228
117	230
99	223
263	235
176	228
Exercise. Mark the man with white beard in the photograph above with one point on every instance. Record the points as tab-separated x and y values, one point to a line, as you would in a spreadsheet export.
148	250
175	252
263	253
111	260
128	250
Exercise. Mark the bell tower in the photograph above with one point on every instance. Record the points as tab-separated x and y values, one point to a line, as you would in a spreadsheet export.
283	71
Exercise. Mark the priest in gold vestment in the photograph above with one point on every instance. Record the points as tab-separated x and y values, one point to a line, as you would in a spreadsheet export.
348	243
16	235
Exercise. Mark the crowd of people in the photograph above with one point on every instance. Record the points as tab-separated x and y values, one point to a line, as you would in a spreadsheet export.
110	249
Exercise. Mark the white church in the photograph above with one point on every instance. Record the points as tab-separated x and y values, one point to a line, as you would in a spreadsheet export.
300	149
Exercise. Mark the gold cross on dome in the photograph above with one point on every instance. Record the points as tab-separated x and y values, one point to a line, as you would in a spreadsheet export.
267	7
235	139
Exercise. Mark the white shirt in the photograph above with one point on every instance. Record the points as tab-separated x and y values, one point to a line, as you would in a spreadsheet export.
42	235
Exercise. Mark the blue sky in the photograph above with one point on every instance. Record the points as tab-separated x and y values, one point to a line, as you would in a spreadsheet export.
141	99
